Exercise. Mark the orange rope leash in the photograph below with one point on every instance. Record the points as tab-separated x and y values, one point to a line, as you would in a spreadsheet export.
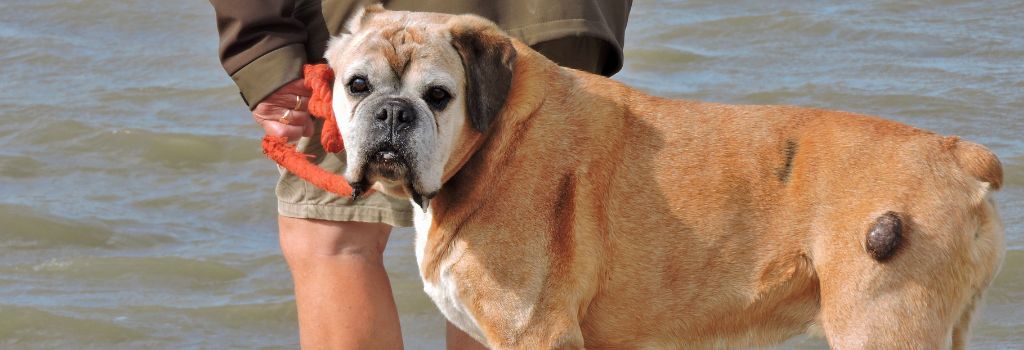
318	78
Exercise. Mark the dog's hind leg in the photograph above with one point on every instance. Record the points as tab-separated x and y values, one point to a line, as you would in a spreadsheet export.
917	288
961	332
863	307
988	252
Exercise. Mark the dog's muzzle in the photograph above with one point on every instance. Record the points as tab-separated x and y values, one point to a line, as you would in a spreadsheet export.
389	155
395	116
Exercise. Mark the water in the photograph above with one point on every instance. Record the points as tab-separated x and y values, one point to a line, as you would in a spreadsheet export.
137	210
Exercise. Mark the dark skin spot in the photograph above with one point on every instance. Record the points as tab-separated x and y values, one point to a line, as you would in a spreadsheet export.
561	246
884	236
787	167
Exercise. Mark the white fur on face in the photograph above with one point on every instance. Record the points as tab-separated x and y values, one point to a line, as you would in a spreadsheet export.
433	63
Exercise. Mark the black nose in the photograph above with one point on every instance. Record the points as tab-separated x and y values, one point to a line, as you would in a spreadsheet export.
396	113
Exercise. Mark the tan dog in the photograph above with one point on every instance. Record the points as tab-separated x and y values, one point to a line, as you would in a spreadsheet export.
563	209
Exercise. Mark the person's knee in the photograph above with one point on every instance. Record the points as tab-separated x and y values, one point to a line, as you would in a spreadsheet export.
310	239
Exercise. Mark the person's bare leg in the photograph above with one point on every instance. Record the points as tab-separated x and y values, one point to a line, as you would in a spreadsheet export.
456	339
341	288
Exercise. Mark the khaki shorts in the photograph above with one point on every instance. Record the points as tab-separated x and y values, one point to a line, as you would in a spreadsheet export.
299	199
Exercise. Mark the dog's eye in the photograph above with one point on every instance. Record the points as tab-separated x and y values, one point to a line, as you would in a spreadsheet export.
358	85
437	97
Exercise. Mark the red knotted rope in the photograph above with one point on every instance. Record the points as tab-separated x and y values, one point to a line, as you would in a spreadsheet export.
318	78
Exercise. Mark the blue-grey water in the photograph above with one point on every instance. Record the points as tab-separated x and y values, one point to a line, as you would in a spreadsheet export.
136	210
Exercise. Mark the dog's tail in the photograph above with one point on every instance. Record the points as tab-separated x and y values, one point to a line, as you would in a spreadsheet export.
977	160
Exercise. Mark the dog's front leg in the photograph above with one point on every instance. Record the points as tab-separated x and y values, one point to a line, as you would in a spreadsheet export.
555	332
568	339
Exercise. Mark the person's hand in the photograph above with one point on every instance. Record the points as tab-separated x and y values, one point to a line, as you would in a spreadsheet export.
284	112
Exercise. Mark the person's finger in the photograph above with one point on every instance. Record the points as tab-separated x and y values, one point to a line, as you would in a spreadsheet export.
272	112
297	118
301	103
295	87
267	111
288	100
274	128
284	112
301	119
272	121
285	96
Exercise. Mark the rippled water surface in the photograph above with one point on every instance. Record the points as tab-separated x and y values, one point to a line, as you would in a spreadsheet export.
137	210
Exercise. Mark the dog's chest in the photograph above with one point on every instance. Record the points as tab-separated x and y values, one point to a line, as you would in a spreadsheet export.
444	292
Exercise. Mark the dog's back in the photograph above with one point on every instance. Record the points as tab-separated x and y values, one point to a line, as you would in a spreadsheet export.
745	224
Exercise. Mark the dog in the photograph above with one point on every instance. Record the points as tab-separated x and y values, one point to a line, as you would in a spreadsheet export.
561	209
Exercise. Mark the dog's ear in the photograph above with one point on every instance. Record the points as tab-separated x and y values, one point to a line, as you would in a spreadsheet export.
487	57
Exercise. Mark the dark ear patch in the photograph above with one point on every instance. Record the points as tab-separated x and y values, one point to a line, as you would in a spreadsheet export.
487	57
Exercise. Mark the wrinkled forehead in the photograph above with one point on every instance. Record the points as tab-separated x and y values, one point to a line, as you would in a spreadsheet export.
400	41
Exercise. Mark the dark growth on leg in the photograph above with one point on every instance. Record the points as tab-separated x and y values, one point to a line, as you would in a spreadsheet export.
884	236
787	168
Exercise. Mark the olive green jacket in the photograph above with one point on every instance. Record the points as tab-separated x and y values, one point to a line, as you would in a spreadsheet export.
263	44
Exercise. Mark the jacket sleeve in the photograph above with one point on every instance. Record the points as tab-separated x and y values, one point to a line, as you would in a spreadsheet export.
262	45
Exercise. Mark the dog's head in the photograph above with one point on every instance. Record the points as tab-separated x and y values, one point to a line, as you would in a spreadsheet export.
409	89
